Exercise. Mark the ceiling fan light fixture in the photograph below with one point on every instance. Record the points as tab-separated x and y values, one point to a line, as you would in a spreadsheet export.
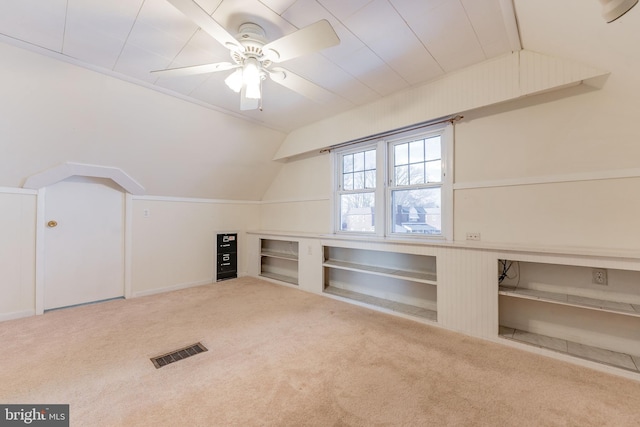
234	80
251	71
253	90
614	9
251	76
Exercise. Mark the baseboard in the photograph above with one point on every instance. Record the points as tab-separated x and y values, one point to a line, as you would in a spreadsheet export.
171	288
16	315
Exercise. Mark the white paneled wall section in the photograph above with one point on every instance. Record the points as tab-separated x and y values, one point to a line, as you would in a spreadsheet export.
17	252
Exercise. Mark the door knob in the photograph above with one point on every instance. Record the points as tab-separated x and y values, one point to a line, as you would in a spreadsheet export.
52	224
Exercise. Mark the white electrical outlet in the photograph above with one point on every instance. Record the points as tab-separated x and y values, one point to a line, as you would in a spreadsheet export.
146	213
473	236
599	276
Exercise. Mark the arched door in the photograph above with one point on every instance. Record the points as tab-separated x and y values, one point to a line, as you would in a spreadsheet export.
83	241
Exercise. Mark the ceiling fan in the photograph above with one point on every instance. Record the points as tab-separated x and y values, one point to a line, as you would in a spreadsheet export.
254	57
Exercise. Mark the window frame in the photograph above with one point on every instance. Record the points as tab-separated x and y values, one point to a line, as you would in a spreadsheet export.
338	191
383	225
445	184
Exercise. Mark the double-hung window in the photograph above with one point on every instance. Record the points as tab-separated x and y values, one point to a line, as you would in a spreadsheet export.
401	185
357	189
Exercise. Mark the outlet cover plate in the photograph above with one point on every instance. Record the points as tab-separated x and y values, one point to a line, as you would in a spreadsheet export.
599	276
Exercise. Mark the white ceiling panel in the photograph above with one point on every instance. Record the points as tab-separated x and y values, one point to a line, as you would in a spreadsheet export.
343	9
253	11
385	45
488	25
91	47
36	22
137	62
447	33
114	17
419	8
154	40
278	6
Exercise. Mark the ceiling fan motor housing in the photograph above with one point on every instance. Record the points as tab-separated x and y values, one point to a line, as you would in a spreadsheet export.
252	37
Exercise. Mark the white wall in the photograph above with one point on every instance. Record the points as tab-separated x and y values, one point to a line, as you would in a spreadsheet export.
174	246
171	248
17	253
299	196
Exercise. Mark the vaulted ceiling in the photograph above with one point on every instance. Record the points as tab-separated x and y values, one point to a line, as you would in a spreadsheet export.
385	45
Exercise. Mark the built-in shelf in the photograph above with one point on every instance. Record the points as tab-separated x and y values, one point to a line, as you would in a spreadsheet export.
625	361
573	314
418	276
280	277
281	255
572	300
279	260
412	310
401	282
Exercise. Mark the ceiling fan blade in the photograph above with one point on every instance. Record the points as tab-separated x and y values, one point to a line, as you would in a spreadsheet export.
195	69
309	39
300	85
198	15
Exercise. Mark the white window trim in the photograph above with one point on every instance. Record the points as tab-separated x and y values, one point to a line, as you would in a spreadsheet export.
335	194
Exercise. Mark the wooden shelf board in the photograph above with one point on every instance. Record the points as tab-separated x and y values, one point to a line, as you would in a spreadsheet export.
281	255
613	358
280	277
417	276
385	303
572	300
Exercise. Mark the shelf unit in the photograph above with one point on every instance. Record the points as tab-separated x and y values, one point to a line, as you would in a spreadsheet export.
279	260
557	307
401	282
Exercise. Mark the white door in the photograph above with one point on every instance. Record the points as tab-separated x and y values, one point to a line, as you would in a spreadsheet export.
84	242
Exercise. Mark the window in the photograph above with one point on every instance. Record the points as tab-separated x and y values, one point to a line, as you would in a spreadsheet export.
416	194
400	186
356	190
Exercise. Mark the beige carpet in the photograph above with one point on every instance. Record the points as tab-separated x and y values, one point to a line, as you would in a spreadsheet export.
282	357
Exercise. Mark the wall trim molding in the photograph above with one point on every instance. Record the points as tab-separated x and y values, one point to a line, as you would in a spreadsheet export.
68	169
551	179
310	199
172	288
195	200
12	190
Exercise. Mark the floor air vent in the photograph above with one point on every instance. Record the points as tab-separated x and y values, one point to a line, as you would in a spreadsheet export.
179	354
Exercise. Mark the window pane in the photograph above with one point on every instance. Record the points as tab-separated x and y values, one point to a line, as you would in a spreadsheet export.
433	150
370	179
417	211
434	171
358	180
416	174
358	161
416	151
347	163
401	154
357	212
370	160
347	181
402	175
